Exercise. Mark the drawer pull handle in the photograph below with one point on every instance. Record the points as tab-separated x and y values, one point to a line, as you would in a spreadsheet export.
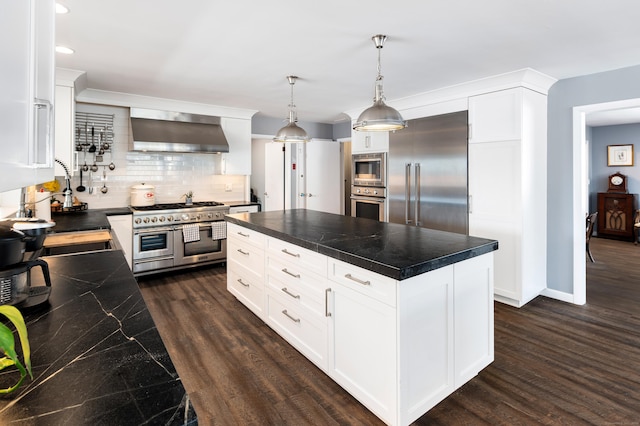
290	317
246	253
243	234
352	278
326	303
241	282
290	273
289	253
295	296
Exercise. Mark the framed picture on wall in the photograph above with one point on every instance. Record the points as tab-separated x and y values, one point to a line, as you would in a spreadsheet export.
619	155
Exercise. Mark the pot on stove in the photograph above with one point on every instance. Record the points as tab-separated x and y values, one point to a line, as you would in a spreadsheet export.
143	195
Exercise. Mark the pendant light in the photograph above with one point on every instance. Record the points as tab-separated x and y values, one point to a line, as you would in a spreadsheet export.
380	117
291	133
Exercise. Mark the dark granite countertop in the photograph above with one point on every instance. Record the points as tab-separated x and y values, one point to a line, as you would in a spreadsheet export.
86	220
96	353
393	250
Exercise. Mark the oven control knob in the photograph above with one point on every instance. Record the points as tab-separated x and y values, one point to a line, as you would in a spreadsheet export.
358	190
154	219
375	192
217	215
161	219
138	220
185	216
198	217
145	220
170	218
210	215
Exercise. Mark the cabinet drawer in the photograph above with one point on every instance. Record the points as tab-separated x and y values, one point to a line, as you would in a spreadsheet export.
302	288
239	233
304	258
246	255
305	332
246	286
366	282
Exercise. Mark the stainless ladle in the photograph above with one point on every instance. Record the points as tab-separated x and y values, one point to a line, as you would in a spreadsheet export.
104	188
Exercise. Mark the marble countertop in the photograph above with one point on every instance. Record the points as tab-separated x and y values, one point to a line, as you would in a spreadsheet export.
393	250
86	220
96	353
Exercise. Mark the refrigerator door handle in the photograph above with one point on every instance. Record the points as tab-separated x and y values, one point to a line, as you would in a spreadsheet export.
417	200
407	192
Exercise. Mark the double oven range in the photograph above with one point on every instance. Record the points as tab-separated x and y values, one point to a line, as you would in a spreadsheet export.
176	236
369	189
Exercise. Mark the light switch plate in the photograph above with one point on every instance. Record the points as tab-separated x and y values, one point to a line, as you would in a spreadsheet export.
228	187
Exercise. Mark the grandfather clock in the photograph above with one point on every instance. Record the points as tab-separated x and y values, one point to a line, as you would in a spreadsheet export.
616	208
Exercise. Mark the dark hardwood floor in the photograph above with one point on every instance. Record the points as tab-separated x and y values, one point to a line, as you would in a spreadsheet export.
555	363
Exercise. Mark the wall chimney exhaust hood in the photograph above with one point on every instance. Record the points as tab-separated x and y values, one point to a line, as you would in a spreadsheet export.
165	131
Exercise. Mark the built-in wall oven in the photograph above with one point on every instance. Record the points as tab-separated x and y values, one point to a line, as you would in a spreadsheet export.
369	202
176	236
369	169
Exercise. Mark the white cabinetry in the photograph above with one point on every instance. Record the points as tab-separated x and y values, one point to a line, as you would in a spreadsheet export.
238	133
27	87
399	347
508	187
65	124
245	267
296	298
362	142
122	227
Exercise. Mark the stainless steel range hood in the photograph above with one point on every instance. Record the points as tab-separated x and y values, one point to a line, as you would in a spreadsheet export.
165	131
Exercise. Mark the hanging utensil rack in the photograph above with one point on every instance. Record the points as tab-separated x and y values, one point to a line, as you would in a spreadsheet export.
102	134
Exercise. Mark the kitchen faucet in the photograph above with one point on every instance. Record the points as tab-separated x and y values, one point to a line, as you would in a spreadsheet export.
68	199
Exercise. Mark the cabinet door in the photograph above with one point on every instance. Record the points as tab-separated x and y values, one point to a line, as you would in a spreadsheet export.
274	178
495	208
362	349
238	133
369	142
495	116
473	317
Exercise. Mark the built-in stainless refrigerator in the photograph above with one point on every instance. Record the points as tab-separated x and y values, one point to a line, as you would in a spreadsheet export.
427	166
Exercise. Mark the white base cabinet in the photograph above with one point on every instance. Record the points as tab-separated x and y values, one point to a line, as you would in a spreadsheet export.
399	347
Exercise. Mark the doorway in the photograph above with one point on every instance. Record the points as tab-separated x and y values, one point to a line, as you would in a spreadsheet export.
580	188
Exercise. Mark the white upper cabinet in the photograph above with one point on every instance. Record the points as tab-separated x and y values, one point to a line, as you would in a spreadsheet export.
27	87
369	142
238	133
65	119
495	116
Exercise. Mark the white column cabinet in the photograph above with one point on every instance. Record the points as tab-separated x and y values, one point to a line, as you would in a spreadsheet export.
65	126
27	87
238	133
508	187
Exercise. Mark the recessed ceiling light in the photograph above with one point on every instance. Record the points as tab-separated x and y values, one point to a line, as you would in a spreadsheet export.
61	8
65	50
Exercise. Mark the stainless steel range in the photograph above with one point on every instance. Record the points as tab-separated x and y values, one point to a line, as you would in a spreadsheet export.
176	236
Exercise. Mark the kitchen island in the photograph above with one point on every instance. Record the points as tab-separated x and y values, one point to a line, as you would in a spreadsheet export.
399	316
96	353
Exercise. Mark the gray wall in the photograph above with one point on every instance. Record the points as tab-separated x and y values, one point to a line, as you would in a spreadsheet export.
563	96
626	134
261	125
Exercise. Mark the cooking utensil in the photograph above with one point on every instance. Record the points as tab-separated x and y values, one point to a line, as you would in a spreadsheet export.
93	147
112	166
104	188
86	135
90	183
94	166
143	195
80	187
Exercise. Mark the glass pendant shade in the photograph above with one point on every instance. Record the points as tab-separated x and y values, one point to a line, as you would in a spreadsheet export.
291	133
379	117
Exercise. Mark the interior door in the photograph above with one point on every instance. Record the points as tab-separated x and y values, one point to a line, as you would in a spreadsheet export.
323	177
274	181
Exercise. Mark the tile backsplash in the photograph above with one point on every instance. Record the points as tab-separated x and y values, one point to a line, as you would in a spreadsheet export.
172	174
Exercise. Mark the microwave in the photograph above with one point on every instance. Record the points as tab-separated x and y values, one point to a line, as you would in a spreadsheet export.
369	169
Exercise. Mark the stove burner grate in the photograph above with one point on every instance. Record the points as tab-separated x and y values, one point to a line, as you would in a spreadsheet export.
173	206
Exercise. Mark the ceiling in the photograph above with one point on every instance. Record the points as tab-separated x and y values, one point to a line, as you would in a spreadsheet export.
238	53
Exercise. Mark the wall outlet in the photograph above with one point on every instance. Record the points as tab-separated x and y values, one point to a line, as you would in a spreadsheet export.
228	187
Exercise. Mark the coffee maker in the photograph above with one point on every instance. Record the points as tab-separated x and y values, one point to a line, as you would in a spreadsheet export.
20	244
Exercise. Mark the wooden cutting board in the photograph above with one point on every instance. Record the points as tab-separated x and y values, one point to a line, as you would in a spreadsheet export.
73	238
